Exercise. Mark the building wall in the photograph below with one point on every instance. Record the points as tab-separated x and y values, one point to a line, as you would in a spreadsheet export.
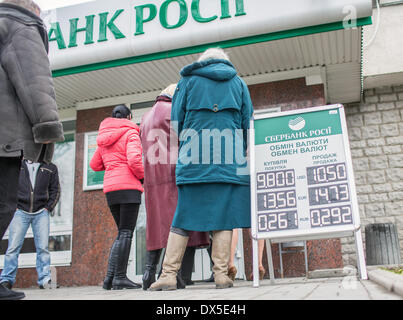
287	94
382	60
376	137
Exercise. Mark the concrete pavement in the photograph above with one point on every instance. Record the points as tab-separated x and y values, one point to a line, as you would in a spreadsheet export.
341	288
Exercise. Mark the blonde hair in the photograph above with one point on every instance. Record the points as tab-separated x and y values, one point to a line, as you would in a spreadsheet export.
26	4
213	53
170	90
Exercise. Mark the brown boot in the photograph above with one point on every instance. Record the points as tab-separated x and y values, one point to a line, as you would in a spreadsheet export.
232	271
220	254
176	247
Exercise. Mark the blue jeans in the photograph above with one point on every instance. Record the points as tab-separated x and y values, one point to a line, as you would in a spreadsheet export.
17	231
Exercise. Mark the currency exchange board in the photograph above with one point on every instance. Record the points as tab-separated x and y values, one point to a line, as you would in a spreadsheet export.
301	175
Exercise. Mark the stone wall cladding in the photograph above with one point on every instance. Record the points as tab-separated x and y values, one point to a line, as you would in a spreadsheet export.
375	129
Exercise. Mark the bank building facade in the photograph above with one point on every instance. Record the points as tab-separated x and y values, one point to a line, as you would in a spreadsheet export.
291	54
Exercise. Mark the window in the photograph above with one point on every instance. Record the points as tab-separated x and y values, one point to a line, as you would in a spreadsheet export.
140	109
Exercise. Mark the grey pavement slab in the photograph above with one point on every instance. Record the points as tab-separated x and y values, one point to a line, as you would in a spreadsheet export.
343	288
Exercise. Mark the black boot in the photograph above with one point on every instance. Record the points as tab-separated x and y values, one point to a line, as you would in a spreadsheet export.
7	294
152	259
180	283
211	279
120	280
187	265
113	256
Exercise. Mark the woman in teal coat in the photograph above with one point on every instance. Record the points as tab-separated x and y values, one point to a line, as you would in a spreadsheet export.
211	109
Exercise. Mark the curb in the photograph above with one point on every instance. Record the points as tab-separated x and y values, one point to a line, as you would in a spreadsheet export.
332	273
389	280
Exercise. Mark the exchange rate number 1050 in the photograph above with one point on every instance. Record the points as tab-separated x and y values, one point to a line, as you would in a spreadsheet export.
324	174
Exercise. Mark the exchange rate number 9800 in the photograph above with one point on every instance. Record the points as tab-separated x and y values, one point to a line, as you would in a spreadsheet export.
275	179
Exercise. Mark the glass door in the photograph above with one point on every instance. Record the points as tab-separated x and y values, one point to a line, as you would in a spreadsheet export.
137	260
202	265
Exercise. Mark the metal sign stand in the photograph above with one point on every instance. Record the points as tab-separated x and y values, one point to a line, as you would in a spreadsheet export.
359	248
362	269
256	262
353	230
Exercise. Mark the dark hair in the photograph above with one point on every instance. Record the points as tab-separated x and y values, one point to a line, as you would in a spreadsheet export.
121	111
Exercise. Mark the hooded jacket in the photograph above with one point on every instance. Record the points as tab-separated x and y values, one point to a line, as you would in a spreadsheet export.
119	154
28	110
211	109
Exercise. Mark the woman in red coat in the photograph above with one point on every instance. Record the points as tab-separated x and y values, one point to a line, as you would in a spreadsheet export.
119	154
160	154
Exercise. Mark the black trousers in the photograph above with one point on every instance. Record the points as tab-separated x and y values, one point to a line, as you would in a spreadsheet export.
9	176
125	215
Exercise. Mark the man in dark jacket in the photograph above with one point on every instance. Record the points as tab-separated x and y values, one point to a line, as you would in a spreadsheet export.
29	121
38	194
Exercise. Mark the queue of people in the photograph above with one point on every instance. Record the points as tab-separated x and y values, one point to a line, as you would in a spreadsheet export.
185	200
200	190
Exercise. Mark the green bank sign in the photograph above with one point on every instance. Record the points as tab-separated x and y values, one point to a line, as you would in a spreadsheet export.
298	127
103	33
145	13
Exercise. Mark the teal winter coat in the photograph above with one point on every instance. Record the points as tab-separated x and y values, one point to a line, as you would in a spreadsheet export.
211	110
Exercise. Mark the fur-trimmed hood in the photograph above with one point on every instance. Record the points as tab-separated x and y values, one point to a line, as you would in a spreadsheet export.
26	17
214	69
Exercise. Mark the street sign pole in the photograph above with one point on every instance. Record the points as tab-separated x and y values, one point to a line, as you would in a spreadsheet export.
255	253
362	268
270	261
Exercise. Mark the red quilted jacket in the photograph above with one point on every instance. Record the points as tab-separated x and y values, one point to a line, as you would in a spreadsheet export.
119	153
